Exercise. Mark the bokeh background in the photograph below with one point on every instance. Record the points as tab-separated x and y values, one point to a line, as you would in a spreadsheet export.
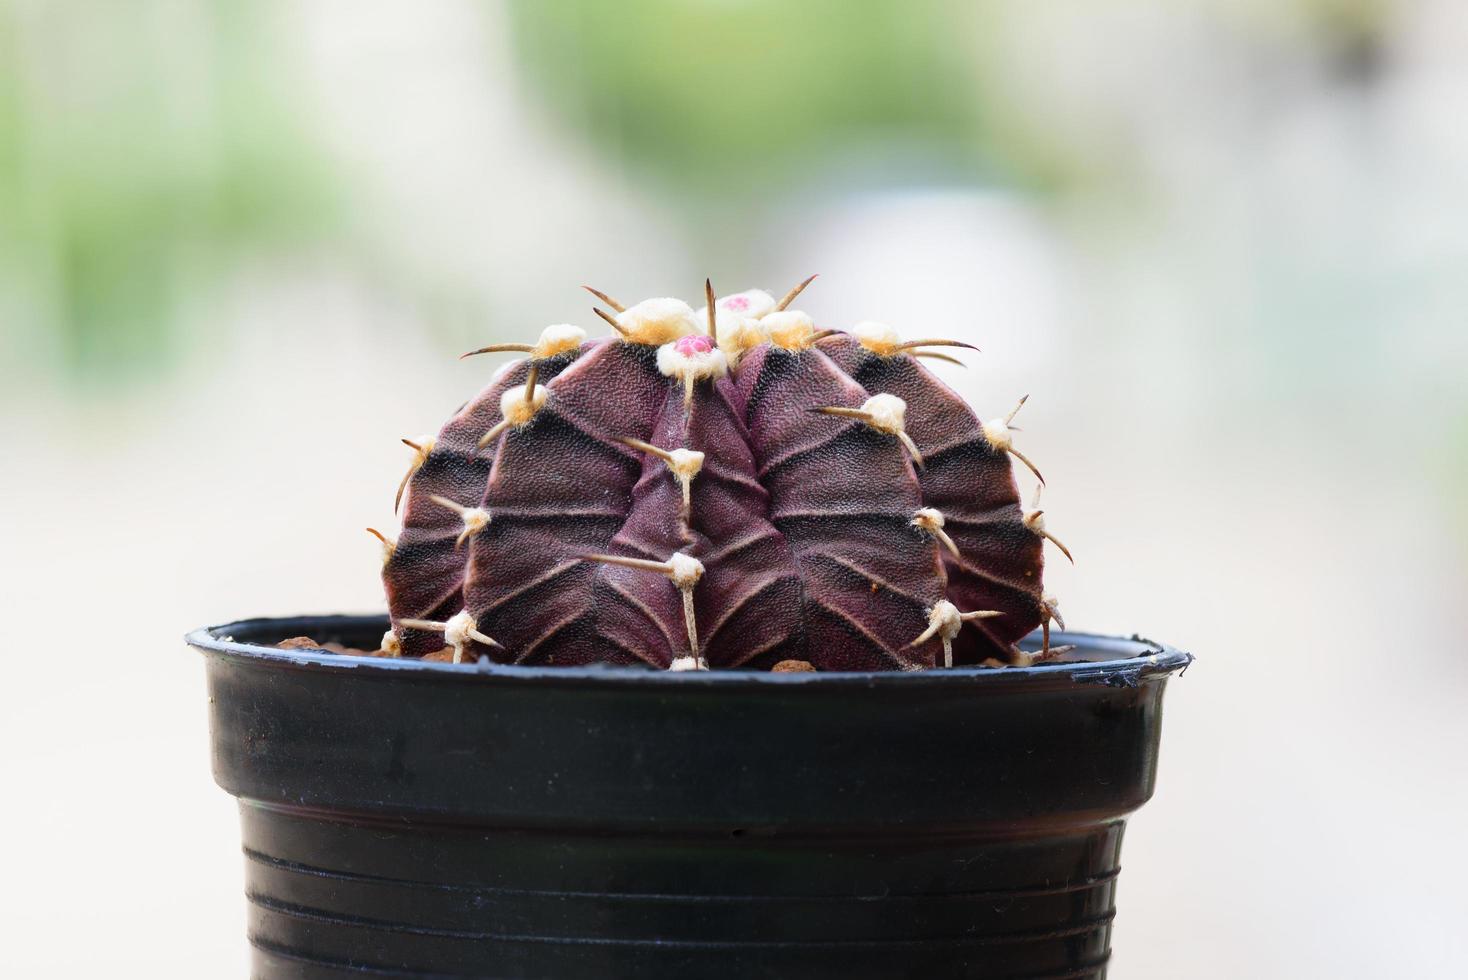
1222	243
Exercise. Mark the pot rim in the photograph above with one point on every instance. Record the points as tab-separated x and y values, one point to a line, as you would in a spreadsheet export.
1129	661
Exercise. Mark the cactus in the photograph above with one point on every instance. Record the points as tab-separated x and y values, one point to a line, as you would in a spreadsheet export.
724	488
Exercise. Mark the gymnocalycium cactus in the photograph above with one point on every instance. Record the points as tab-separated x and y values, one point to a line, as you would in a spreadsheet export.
727	488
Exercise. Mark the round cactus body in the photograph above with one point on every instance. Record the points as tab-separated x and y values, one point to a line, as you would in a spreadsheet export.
728	488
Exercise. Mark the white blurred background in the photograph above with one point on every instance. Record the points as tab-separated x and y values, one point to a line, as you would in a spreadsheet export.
1222	245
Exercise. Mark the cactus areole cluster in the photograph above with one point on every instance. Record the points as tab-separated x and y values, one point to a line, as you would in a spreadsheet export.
728	488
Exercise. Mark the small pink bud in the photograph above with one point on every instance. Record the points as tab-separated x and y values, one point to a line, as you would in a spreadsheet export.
736	303
694	343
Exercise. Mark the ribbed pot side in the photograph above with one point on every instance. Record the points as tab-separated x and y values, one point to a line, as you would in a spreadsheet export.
410	819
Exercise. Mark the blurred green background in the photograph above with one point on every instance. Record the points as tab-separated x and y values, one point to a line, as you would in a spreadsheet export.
1221	243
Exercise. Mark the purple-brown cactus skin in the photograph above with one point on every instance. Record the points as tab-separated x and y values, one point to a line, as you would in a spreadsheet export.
726	490
561	488
996	562
453	469
844	496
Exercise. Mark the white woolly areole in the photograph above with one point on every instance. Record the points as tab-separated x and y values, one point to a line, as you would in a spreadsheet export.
737	334
888	413
685	462
692	366
684	663
425	446
1035	520
752	302
557	339
475	519
516	410
789	329
996	431
945	616
658	321
877	337
456	631
686	570
737	319
928	517
391	645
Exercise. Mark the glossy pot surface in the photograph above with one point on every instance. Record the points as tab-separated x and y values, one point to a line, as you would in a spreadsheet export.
413	819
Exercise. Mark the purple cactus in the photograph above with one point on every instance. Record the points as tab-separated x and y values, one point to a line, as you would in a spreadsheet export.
731	488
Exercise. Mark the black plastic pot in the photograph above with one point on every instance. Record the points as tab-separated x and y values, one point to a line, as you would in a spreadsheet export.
411	819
